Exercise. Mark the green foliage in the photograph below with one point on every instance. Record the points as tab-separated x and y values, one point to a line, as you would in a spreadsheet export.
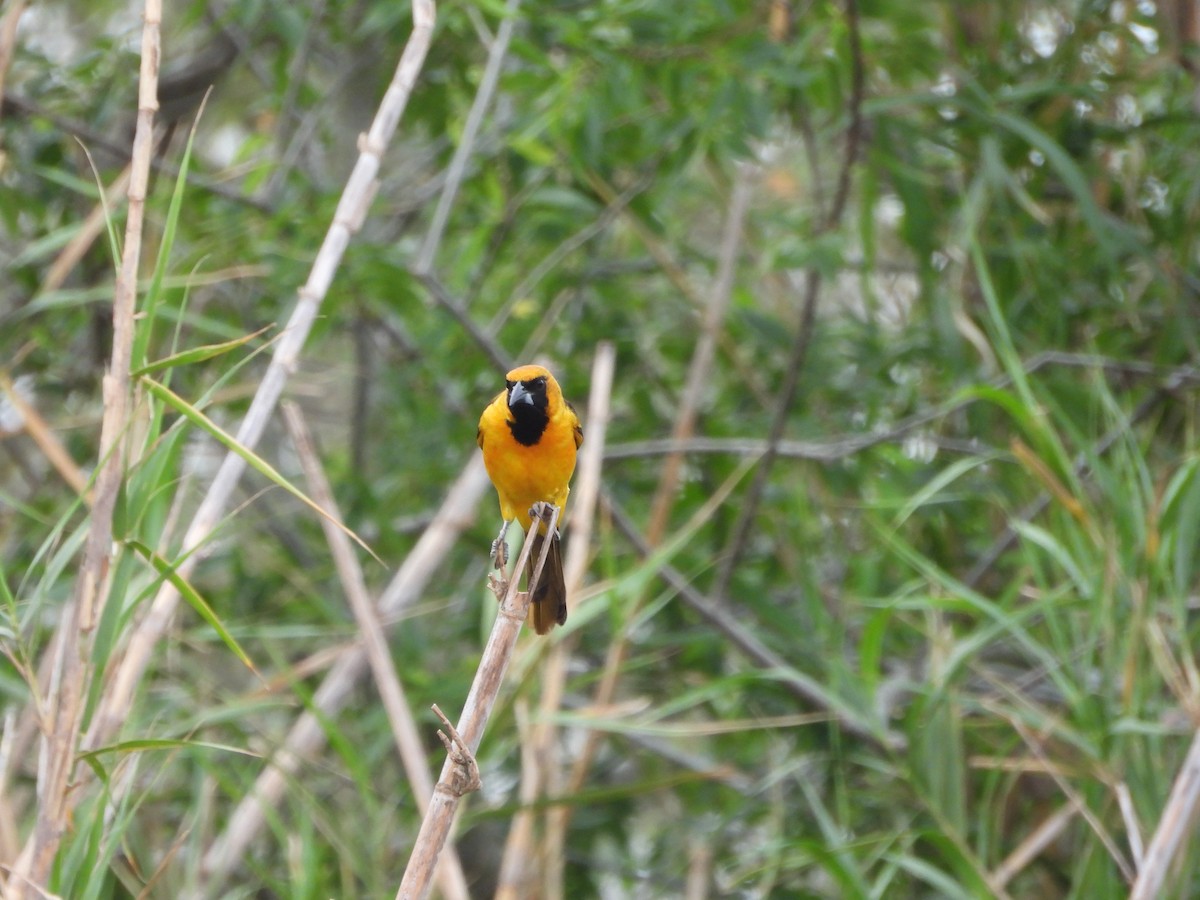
978	597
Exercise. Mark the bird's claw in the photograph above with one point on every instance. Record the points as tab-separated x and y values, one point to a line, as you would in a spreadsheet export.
543	512
500	553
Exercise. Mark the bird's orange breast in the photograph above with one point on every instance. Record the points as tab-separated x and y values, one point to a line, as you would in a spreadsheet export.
523	475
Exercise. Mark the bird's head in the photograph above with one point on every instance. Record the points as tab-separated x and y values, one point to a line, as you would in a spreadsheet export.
532	390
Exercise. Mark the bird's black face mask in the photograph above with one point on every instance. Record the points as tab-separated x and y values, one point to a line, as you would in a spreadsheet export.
528	403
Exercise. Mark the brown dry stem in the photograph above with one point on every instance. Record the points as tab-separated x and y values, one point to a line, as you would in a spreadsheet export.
1177	823
308	735
517	868
452	784
387	680
348	217
72	672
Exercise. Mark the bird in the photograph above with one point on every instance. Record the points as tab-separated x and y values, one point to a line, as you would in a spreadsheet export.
529	435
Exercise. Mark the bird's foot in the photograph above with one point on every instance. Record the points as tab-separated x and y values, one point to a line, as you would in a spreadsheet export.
543	512
500	553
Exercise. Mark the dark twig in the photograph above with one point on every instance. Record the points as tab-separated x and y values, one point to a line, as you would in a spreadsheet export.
495	354
724	621
96	139
812	289
547	264
1035	507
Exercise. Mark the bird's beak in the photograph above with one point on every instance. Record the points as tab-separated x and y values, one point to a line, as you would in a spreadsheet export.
518	394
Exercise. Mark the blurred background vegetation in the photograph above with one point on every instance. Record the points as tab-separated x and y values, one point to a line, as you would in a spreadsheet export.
938	642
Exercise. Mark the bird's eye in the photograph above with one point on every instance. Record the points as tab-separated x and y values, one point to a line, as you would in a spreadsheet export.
540	381
510	384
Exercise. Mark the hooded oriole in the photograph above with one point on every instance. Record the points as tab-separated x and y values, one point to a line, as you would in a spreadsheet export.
529	435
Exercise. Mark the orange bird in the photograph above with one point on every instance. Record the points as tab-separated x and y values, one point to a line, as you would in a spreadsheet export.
529	436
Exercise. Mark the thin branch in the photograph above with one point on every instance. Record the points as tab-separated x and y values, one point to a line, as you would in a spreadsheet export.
387	681
726	623
499	359
308	735
454	780
423	265
854	130
516	870
749	504
287	138
95	139
552	259
46	440
351	211
74	669
812	289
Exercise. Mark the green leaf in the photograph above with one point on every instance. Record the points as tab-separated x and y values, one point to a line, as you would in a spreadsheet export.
168	571
198	354
260	465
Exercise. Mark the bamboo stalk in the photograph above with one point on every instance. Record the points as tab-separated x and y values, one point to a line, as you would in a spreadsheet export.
73	670
387	680
307	734
1177	822
516	869
460	775
351	210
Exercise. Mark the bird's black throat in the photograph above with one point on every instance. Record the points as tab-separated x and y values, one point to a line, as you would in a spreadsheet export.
528	423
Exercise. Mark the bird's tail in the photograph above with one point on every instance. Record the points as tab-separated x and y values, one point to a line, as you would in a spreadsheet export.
548	605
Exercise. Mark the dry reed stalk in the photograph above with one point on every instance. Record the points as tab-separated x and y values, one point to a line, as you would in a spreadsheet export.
72	675
459	774
701	365
8	38
700	370
1031	848
1177	822
307	735
387	681
47	441
516	867
348	218
124	674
